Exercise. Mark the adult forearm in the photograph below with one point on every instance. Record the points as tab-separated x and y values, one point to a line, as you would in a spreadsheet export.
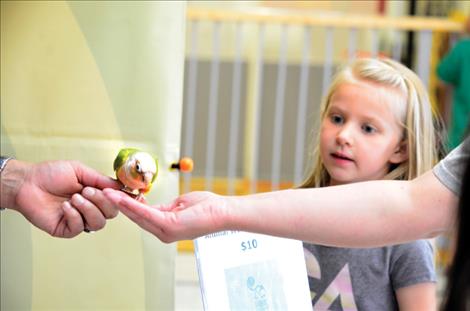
335	216
11	179
356	215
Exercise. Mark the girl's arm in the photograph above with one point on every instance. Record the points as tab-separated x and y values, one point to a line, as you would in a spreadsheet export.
364	214
420	296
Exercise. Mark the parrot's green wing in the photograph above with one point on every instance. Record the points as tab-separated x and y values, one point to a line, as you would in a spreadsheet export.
122	157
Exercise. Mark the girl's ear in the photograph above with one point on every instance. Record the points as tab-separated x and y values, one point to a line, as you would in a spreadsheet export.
400	154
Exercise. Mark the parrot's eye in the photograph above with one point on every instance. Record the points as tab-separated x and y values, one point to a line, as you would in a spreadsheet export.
137	167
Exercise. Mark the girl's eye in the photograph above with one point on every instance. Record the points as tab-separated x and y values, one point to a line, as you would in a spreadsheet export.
336	119
369	129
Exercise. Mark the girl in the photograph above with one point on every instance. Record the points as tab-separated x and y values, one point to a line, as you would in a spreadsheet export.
376	123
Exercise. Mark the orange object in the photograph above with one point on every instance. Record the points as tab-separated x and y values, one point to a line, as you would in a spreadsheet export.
185	165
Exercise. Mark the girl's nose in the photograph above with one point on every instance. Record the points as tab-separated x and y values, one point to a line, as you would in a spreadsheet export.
345	136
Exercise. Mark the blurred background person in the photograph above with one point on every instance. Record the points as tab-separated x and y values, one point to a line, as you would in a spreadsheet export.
453	89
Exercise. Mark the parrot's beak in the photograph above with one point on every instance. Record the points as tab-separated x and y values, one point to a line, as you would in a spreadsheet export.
148	178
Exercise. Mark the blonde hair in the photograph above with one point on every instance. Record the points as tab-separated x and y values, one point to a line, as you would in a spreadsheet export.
419	133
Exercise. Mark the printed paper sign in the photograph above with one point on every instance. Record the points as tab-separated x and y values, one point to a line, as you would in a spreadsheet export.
247	271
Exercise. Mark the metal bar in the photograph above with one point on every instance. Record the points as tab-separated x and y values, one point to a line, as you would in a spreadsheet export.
212	119
352	46
321	20
234	112
191	102
302	107
423	58
257	109
327	69
374	43
397	46
279	112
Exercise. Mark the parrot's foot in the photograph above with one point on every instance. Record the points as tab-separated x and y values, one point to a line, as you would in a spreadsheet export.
140	197
133	193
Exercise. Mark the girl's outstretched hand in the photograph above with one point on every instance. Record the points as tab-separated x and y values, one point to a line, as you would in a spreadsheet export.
187	217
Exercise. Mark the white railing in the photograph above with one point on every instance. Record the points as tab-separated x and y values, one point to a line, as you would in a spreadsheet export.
237	118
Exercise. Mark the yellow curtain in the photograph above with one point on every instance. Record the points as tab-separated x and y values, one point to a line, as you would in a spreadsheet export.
80	80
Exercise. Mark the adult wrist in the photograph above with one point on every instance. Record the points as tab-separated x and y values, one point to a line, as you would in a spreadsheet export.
12	177
3	164
233	218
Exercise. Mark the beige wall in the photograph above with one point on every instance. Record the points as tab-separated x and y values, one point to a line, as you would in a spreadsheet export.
80	80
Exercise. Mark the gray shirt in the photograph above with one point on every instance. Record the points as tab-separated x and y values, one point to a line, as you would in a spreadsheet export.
451	169
365	279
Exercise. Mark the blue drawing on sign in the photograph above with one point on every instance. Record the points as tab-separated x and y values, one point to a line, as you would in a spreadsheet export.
256	286
259	294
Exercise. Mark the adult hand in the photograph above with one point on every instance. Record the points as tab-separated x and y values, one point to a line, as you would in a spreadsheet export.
189	216
48	195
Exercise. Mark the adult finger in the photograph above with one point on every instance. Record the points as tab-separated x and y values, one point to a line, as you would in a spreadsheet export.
73	222
108	209
89	177
145	216
169	207
126	203
185	200
93	218
117	196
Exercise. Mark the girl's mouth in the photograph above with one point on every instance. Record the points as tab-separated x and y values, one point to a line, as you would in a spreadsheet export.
340	156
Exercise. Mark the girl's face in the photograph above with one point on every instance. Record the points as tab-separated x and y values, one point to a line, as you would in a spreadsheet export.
360	136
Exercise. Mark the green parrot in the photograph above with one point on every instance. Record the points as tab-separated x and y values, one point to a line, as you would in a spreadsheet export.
136	170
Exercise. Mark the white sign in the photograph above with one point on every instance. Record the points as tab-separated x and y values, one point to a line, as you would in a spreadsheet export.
247	271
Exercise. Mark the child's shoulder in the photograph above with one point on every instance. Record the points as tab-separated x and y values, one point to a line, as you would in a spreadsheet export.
412	249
